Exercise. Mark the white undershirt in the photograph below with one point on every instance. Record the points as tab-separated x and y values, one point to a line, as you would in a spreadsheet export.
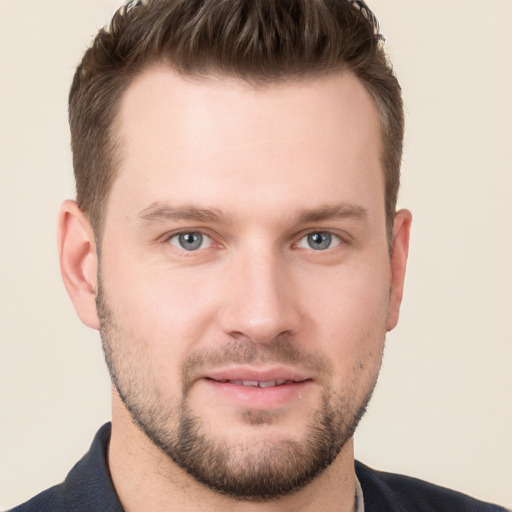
359	497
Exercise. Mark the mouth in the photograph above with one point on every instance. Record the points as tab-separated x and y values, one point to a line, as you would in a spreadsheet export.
269	377
259	383
255	389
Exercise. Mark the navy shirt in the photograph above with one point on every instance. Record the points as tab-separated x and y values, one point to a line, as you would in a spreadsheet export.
89	488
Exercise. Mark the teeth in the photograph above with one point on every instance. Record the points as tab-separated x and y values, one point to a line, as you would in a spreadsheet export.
268	384
259	384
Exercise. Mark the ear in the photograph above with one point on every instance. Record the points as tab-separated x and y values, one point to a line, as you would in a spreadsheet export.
401	230
78	261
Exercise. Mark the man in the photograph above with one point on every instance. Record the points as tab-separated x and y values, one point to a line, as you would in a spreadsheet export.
236	243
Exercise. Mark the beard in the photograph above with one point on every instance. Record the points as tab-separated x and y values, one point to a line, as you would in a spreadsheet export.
247	469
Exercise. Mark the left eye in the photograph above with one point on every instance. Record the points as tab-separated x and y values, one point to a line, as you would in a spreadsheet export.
319	241
190	241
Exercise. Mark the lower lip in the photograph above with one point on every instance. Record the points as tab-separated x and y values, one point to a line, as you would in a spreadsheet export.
250	397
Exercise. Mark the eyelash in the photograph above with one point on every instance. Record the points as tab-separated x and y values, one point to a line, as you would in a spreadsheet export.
332	235
168	239
341	240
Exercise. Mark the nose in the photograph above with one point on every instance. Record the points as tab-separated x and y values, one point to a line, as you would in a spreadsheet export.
259	302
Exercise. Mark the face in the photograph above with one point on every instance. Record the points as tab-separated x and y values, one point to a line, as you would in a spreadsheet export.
244	290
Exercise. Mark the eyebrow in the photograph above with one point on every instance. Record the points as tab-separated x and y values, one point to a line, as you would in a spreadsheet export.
160	212
332	212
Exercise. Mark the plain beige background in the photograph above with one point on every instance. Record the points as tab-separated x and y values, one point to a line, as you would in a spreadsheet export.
443	408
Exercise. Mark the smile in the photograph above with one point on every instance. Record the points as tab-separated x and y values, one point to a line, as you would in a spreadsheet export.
255	392
258	383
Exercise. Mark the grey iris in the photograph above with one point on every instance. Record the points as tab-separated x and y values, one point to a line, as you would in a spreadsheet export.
190	241
319	241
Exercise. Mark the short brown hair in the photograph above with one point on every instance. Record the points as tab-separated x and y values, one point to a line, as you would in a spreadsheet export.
260	41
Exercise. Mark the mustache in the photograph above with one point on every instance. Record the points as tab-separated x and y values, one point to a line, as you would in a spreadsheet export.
282	350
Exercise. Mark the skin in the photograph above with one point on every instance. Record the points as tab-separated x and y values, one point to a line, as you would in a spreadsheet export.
274	164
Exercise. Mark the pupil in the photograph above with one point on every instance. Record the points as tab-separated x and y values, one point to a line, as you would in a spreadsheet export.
319	241
191	241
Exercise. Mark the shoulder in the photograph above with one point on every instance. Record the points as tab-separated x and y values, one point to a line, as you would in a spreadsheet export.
87	487
51	500
389	491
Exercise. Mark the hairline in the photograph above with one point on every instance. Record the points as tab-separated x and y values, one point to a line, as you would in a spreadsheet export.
114	133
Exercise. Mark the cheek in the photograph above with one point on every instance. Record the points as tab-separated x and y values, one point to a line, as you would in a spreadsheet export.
350	317
164	310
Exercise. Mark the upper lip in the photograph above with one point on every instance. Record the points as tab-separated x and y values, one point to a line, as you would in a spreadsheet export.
241	373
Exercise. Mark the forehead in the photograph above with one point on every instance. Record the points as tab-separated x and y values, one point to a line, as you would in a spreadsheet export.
220	138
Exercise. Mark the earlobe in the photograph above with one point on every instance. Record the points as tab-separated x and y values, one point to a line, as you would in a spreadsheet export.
401	231
78	261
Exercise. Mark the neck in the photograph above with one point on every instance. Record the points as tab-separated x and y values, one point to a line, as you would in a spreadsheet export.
146	479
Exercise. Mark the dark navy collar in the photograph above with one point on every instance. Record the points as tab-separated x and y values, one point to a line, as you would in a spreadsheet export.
88	485
89	488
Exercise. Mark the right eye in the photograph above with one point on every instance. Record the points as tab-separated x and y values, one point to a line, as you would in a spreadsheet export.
190	241
319	241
